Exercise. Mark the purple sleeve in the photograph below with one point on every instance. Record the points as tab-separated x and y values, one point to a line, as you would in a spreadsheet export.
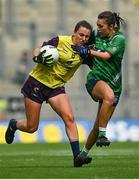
54	42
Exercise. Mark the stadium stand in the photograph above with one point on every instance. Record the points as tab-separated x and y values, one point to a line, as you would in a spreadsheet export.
35	21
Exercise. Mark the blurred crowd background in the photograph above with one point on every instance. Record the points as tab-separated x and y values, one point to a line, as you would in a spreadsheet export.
25	24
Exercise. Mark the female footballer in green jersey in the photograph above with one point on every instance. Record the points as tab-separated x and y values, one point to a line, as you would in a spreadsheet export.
104	82
46	83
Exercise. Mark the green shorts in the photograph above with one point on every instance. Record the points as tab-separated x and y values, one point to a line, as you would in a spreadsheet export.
91	84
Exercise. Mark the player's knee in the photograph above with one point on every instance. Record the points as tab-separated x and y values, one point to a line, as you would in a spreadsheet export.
110	99
32	129
69	119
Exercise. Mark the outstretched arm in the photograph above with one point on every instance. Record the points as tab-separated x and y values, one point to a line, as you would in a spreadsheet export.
86	51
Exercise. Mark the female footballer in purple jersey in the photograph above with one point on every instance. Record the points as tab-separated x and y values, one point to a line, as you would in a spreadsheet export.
104	81
46	83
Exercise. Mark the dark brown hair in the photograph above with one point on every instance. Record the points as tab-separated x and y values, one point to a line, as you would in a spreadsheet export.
83	23
112	18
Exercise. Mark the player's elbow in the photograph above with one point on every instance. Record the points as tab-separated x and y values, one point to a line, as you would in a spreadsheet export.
36	52
106	55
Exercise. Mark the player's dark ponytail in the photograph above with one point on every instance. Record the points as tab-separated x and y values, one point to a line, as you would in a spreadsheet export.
118	21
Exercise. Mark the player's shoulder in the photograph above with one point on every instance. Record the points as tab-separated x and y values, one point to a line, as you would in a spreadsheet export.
118	38
64	37
65	40
119	35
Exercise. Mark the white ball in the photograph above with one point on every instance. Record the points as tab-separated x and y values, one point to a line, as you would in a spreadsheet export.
51	50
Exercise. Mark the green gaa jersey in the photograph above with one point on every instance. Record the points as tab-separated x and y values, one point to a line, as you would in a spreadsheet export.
109	70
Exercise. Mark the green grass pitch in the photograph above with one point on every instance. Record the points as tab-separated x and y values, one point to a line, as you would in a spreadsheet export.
54	161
